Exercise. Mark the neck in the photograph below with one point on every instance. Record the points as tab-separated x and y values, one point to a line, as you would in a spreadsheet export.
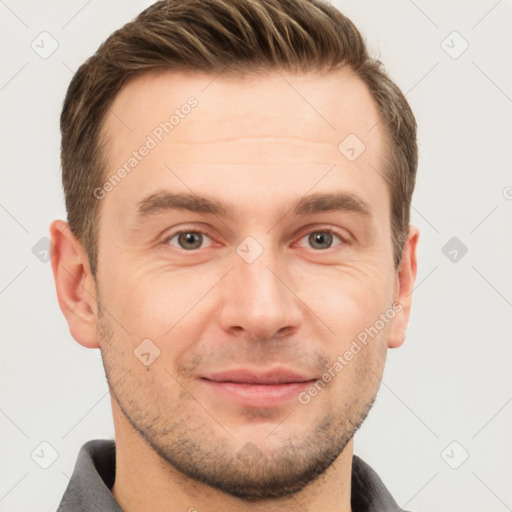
144	481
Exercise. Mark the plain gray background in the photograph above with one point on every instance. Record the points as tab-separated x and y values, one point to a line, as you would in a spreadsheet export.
439	432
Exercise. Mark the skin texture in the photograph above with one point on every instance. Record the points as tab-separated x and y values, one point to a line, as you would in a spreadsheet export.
254	143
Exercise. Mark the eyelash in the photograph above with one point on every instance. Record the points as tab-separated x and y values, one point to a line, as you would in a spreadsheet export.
342	238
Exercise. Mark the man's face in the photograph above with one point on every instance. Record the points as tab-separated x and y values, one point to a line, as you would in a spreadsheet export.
280	279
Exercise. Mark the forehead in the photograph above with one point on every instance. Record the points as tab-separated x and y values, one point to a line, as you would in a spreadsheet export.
253	129
329	106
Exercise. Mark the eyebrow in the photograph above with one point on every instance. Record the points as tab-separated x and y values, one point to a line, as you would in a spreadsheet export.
343	201
313	203
162	201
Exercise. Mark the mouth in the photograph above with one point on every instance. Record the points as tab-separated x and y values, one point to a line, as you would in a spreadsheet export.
258	389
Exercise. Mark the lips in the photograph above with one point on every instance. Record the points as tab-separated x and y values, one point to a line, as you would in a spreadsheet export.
257	389
269	377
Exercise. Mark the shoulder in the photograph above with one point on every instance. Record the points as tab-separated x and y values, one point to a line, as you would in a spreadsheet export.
368	493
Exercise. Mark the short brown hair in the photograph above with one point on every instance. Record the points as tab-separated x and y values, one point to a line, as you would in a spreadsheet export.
224	35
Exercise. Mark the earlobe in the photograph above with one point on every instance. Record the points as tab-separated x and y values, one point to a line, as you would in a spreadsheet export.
406	277
76	290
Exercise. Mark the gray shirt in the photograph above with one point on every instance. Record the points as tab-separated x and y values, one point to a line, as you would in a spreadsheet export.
89	489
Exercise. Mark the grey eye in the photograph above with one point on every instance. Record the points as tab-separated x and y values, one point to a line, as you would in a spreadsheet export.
190	240
320	239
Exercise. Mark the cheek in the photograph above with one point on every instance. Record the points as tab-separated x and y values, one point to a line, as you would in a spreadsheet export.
348	299
170	307
143	295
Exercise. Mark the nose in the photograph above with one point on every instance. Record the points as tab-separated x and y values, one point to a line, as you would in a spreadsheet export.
259	300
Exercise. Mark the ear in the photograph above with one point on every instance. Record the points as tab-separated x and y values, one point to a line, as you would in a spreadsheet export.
404	285
76	290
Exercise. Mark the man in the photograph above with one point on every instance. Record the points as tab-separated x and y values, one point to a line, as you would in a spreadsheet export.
238	177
